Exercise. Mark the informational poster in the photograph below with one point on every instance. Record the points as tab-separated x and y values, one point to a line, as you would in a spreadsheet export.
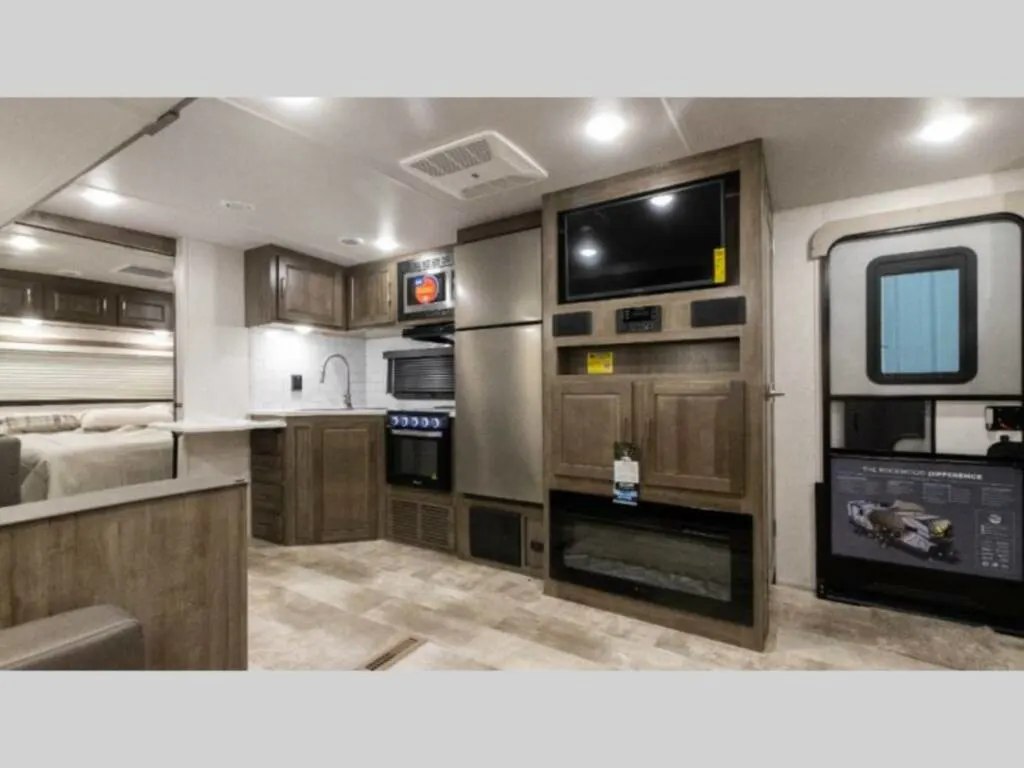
964	518
626	474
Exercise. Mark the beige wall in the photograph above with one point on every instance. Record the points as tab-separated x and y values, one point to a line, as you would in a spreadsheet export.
797	360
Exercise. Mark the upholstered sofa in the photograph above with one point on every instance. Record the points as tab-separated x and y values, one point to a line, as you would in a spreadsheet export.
100	637
10	471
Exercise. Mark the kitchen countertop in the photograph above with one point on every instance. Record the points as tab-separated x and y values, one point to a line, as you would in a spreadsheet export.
195	426
297	412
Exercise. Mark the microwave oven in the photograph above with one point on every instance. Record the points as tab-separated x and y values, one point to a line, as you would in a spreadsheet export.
426	286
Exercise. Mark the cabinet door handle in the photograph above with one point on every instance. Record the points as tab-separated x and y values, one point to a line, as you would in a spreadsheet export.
103	307
28	296
124	306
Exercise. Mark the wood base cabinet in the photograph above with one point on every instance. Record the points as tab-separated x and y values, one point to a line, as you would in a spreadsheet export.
320	480
690	432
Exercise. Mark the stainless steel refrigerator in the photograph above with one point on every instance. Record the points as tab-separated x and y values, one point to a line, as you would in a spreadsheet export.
498	386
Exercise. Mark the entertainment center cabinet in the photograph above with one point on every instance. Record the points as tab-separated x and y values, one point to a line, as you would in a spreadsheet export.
684	375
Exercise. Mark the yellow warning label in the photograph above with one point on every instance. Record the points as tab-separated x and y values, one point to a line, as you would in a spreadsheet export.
600	362
719	266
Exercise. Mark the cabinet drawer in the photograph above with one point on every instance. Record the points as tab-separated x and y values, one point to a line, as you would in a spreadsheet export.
267	496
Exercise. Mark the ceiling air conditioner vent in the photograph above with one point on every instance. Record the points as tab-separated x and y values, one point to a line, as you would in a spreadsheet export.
479	165
150	272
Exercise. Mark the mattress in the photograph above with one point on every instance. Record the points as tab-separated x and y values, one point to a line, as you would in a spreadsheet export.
60	464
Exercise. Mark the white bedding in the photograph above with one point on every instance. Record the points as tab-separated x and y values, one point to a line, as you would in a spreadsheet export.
60	464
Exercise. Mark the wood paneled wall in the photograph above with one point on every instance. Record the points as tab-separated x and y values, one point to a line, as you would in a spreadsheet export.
177	564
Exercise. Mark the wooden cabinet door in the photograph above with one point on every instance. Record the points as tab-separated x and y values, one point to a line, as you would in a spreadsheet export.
75	302
693	435
145	309
350	483
588	418
371	296
310	291
20	296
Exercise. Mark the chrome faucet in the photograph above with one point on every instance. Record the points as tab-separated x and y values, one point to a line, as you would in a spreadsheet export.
348	377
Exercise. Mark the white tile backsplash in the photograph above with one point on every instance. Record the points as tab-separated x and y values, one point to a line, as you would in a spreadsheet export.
377	374
277	353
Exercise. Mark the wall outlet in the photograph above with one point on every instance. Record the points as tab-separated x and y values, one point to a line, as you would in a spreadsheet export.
296	383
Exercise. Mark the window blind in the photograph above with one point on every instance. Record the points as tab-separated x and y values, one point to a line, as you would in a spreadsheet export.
427	374
42	374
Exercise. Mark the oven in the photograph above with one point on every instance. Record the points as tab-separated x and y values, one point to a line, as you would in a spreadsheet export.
419	449
695	560
426	286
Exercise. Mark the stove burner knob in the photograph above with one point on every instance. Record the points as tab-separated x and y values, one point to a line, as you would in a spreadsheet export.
435	423
414	421
405	421
394	421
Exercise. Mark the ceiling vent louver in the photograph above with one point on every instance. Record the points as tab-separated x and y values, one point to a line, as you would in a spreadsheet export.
150	272
477	166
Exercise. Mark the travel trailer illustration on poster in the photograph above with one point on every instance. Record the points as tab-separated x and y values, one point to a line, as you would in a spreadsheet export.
904	526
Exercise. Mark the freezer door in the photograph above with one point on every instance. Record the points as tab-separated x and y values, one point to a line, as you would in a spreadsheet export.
497	281
499	413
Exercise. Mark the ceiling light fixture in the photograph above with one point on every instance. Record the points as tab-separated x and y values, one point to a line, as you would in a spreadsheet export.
945	129
351	240
588	253
24	243
386	244
102	198
605	127
662	201
237	205
297	101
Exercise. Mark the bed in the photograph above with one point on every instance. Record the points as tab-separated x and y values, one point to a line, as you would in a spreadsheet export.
92	454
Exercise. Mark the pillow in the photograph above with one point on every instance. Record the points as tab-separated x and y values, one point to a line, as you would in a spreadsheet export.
38	422
106	419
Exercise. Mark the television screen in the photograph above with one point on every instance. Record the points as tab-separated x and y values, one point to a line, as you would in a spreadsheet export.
655	243
956	517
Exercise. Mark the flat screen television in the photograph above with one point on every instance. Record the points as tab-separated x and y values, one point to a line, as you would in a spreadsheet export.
658	242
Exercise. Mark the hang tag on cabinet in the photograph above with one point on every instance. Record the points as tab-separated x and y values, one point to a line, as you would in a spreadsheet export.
626	474
719	277
600	363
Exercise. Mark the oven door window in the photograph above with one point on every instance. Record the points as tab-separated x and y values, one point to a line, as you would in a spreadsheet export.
416	457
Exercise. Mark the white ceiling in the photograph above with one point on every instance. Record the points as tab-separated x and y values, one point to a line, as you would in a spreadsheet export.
329	168
62	254
48	142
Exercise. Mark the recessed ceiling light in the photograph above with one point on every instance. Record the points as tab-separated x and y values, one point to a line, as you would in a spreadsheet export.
662	201
303	329
297	101
945	129
351	240
24	243
69	272
386	244
588	253
237	205
605	127
103	198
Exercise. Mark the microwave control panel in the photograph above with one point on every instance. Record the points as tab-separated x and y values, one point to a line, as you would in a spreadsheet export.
638	319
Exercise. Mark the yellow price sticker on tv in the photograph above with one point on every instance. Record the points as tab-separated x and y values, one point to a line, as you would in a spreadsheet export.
719	266
600	362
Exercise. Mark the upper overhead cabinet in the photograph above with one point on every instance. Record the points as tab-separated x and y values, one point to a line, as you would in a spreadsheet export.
371	295
83	302
282	286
